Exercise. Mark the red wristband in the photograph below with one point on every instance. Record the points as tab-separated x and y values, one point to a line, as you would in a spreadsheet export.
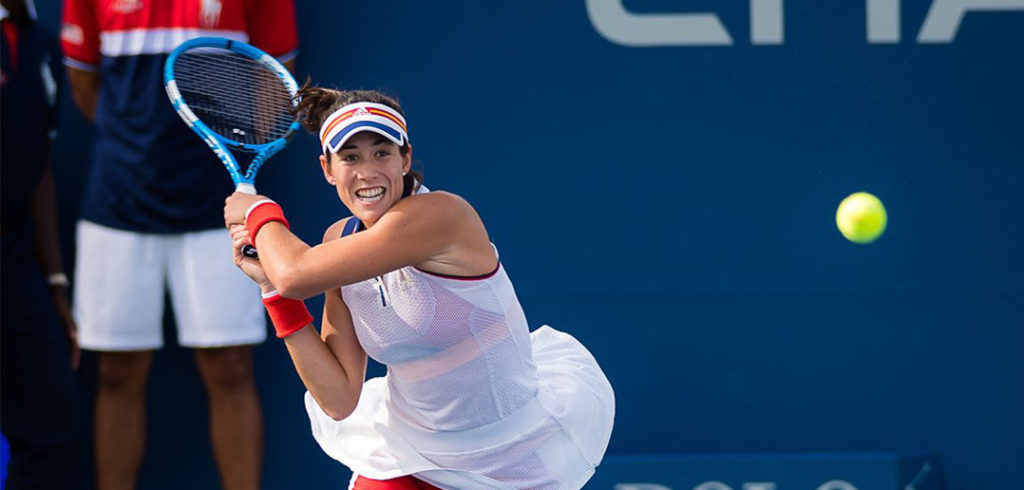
261	213
288	315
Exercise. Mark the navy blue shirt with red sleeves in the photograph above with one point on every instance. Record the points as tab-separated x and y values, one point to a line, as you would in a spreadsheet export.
150	172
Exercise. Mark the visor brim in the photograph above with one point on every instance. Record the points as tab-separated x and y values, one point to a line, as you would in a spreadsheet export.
344	135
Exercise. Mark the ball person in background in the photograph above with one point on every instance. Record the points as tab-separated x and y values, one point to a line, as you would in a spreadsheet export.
472	399
39	399
151	217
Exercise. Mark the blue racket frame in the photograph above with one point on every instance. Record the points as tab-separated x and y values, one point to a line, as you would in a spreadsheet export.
220	144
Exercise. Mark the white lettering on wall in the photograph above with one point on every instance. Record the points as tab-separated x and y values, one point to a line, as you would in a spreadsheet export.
717	485
618	25
883	21
640	486
944	16
712	485
766	25
837	485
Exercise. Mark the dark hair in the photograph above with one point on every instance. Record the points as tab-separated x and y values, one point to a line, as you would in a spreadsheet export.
316	103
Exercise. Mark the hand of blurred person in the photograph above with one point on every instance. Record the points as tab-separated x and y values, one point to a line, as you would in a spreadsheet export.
63	306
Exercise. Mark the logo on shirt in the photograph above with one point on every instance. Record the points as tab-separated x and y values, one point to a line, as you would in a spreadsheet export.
126	6
72	34
209	15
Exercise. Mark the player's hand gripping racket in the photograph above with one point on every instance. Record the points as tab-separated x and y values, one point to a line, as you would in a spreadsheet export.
235	97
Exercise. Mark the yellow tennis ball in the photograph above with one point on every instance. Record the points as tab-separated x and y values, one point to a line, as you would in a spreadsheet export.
861	217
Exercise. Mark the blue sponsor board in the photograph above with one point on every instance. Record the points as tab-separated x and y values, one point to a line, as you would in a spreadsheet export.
812	471
661	179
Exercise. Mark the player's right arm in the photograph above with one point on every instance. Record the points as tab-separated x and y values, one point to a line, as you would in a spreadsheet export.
333	364
80	40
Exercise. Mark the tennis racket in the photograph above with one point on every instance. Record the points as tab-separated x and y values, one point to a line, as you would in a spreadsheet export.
237	99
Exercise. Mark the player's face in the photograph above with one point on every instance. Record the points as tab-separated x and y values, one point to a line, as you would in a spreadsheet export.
367	173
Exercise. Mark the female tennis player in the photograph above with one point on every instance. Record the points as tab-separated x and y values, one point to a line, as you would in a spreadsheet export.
471	399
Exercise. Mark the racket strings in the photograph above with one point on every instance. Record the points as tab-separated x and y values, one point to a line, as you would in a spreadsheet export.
237	97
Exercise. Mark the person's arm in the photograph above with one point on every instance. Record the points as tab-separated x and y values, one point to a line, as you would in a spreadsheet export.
438	230
85	89
47	251
272	27
332	365
80	42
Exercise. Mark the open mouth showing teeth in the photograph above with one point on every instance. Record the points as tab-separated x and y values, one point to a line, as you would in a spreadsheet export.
370	195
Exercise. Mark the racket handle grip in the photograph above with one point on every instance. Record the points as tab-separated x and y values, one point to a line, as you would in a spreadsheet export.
245	188
250	251
247	250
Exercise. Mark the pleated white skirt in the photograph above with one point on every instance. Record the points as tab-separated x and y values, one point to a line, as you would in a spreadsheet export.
552	443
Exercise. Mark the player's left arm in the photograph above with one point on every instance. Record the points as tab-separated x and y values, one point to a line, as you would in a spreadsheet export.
332	365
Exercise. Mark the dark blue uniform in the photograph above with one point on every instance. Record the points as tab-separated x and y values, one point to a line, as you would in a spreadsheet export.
39	401
150	172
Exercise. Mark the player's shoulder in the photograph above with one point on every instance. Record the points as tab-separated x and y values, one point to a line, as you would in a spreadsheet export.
441	200
439	206
333	232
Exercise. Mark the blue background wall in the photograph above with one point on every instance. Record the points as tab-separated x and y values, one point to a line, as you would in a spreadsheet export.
673	207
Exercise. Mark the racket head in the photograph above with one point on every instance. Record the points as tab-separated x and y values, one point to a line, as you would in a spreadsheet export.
235	97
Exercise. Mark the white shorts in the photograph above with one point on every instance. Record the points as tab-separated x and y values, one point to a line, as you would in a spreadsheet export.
121	278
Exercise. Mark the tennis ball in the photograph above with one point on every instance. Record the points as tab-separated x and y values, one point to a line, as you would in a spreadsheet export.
861	217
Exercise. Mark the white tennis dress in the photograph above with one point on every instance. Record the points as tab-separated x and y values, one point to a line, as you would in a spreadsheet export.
472	399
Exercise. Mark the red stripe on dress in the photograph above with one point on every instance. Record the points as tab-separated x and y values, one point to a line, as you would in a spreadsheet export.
462	278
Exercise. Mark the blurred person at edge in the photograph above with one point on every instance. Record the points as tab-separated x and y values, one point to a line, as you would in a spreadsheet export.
39	399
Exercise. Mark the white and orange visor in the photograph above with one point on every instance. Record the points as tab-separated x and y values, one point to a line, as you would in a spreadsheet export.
362	116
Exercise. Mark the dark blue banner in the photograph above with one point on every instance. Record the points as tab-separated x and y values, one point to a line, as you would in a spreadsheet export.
661	179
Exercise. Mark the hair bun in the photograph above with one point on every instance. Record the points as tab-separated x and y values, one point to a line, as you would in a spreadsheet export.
315	104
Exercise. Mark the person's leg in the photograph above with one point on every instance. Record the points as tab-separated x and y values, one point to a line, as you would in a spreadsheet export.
39	401
220	314
236	420
120	418
39	398
119	304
